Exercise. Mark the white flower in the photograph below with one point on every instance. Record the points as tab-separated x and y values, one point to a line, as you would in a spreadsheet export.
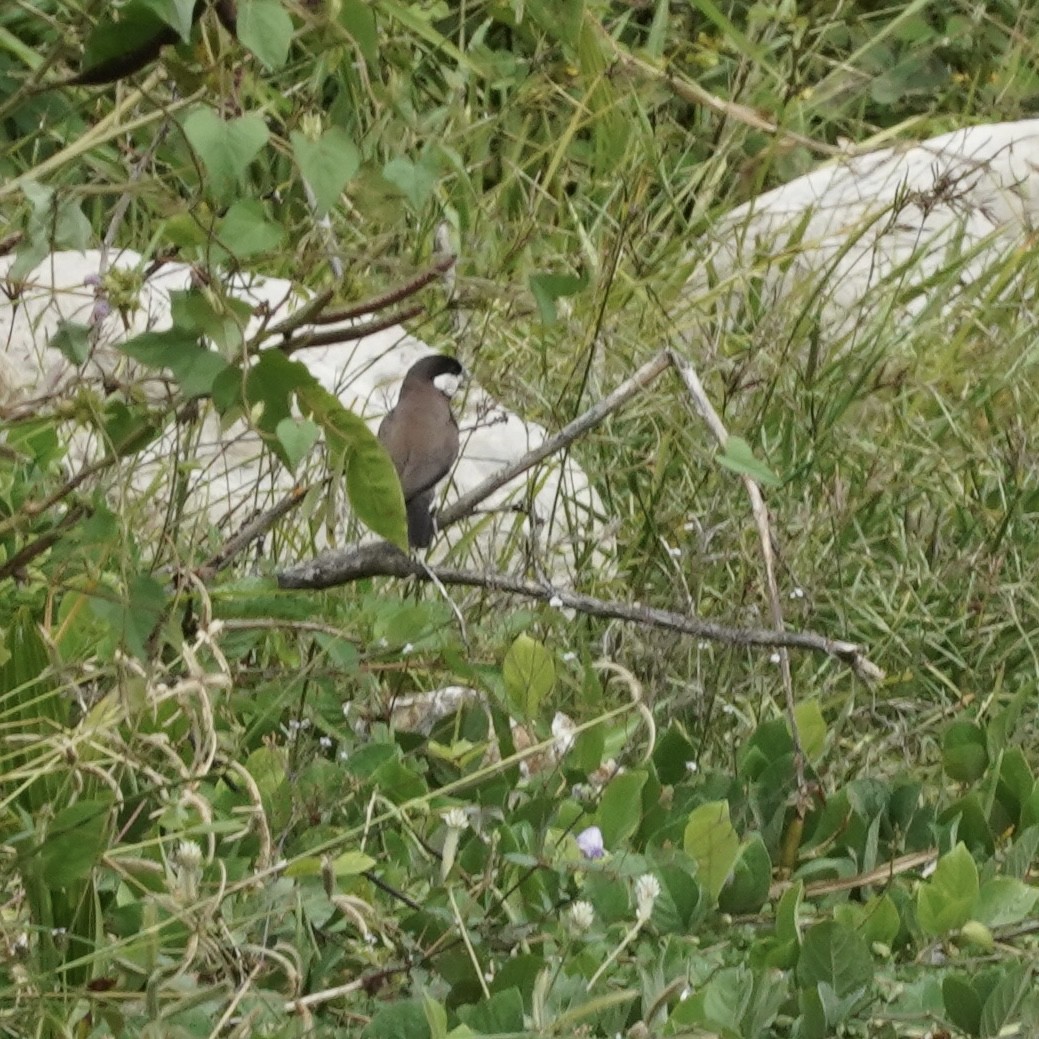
409	647
647	890
692	766
186	870
582	916
326	742
774	658
455	818
589	843
189	855
555	602
563	733
569	657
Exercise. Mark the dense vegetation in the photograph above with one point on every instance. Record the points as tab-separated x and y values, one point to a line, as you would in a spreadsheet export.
208	823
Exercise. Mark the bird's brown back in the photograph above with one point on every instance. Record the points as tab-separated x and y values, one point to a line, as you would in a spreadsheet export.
421	436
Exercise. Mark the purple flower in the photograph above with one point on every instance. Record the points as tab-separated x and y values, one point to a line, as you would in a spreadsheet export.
589	843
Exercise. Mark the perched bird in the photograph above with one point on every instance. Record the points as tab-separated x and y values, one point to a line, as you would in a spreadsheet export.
421	436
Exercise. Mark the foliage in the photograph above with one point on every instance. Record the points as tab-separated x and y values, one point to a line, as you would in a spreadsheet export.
211	818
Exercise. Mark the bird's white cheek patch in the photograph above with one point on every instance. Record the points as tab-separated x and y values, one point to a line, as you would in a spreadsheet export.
448	384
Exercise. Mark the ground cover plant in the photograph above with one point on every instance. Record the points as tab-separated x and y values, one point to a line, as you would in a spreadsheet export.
213	821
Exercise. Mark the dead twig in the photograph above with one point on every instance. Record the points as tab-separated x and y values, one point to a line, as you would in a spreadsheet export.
349	335
386	299
255	528
759	510
382	559
342	566
631	387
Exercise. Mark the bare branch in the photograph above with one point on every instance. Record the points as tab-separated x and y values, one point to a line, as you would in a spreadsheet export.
382	559
391	296
349	335
464	505
252	530
759	510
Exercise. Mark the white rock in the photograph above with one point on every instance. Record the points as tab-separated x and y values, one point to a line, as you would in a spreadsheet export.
862	236
230	476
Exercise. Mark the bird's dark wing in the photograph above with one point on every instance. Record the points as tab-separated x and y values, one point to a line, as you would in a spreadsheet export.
423	443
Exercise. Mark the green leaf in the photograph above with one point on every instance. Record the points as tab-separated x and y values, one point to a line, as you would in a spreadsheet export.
547	288
502	1014
436	1016
672	755
788	928
193	366
177	14
812	1022
620	810
405	1019
265	28
529	673
836	956
297	436
711	839
1005	999
747	888
947	900
398	782
680	895
221	319
358	18
964	752
137	26
244	230
129	430
738	457
415	181
1005	900
811	727
55	222
134	616
328	164
226	147
73	340
1019	857
880	920
372	484
267	767
352	863
76	838
962	1004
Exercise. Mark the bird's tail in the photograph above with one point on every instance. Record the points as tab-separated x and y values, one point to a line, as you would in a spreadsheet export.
421	526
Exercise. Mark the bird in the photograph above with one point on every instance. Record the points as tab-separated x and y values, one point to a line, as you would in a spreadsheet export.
420	435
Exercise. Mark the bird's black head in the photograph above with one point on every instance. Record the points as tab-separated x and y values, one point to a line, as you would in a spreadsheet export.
429	372
430	367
